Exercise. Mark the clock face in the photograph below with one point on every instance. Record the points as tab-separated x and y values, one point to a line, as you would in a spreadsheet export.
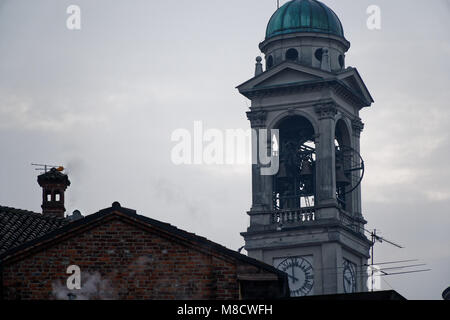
349	277
300	274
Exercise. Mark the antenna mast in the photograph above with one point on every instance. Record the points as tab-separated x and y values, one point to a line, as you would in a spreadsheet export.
45	167
376	238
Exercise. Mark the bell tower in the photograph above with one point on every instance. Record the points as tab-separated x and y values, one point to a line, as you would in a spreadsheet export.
306	219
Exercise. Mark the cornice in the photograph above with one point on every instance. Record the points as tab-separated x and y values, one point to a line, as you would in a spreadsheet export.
307	86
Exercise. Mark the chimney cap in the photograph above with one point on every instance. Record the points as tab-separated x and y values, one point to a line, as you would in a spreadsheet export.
53	176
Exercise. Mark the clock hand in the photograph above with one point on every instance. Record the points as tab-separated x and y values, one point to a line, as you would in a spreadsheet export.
293	273
292	277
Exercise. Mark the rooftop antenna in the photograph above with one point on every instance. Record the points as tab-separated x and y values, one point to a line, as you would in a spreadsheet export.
278	4
47	167
376	238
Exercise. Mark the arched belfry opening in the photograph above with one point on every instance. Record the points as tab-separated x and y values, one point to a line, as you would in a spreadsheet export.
349	167
294	185
343	163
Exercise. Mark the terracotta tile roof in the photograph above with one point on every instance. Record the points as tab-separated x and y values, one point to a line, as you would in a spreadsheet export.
19	226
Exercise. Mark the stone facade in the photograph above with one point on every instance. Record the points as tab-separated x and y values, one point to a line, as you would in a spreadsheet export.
313	88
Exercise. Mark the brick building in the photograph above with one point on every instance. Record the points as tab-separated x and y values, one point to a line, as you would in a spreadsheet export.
123	255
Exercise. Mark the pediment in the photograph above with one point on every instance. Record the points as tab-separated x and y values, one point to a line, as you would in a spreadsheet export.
287	76
283	74
351	79
290	73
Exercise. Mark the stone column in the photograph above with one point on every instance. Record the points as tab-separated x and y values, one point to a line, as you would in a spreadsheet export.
325	160
357	128
260	199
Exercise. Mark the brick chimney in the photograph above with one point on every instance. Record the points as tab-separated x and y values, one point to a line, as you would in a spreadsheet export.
54	183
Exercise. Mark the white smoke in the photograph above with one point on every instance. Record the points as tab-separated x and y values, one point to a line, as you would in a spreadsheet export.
96	287
75	168
93	287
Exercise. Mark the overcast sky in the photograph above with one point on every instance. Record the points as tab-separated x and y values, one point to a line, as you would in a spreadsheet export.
104	101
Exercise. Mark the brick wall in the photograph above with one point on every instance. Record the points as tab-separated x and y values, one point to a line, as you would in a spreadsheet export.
121	261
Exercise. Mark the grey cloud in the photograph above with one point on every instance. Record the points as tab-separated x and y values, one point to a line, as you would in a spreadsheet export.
104	102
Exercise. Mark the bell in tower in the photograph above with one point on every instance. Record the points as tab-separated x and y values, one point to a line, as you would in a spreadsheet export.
293	186
54	184
306	219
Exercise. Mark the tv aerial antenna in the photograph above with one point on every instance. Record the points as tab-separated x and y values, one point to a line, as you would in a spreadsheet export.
376	238
47	167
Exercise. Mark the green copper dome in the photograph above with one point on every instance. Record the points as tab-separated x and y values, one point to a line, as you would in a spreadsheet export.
304	16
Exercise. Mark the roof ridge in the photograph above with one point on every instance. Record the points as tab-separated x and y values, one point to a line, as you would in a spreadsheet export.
7	209
18	209
195	237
